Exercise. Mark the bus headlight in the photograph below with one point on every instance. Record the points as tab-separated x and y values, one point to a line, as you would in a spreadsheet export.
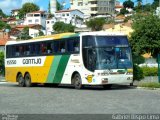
129	73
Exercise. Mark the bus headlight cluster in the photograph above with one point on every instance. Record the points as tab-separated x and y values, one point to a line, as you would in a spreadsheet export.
130	78
129	73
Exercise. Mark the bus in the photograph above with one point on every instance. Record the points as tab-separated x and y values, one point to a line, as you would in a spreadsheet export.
89	58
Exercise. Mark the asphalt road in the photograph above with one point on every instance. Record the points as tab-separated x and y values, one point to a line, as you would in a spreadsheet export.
66	100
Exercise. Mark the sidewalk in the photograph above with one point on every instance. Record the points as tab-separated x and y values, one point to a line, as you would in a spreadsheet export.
2	79
148	79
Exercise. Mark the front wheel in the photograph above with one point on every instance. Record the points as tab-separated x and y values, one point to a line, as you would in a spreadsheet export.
77	81
28	80
20	80
107	86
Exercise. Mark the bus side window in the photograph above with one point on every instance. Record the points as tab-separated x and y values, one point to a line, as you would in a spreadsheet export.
62	46
49	48
43	48
17	51
37	48
70	45
76	46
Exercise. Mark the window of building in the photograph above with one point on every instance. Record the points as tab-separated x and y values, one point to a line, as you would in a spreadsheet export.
29	21
36	20
36	15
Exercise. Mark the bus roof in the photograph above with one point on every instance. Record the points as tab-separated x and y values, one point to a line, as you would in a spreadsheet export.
65	35
42	38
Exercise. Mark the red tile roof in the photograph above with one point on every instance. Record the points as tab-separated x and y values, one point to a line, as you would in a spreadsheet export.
30	26
38	12
118	6
15	10
3	41
60	11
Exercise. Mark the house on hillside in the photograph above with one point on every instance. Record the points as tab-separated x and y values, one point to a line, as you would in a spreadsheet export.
74	17
33	29
15	12
37	17
4	37
49	26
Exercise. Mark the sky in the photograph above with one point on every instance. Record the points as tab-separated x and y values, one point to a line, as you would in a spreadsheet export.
8	5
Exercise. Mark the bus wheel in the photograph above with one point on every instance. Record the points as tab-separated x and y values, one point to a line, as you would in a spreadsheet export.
107	86
20	80
28	80
77	81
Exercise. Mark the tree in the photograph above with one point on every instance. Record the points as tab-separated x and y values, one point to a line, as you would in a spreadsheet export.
128	4
24	34
3	25
123	11
146	37
2	63
96	24
2	14
155	4
60	27
40	33
58	6
26	8
138	8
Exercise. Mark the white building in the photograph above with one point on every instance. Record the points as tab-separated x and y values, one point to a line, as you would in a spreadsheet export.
53	6
37	17
94	7
74	17
49	26
15	12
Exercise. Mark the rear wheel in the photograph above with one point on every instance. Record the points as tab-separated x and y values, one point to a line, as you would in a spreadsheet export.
20	80
77	81
28	80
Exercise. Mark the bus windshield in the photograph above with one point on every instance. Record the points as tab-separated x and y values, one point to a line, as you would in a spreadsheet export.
114	54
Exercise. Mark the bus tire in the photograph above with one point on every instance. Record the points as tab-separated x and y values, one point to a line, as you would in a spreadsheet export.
77	81
27	79
20	80
108	86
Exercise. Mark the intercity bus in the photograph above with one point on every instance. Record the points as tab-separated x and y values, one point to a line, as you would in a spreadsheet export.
91	58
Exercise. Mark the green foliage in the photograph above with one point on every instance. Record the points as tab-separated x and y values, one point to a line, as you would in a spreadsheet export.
123	11
2	70
96	24
128	4
138	59
137	73
41	33
49	7
150	85
150	71
3	25
26	8
2	14
145	37
60	27
58	6
24	34
155	4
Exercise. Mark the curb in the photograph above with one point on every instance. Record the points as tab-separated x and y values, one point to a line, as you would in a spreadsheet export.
148	88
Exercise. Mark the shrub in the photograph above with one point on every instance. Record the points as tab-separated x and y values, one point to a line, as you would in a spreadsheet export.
137	73
150	85
150	71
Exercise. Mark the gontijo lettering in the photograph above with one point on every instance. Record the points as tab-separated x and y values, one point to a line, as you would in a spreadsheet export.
32	61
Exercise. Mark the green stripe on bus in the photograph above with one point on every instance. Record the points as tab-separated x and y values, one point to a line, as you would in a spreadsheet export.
61	68
53	68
